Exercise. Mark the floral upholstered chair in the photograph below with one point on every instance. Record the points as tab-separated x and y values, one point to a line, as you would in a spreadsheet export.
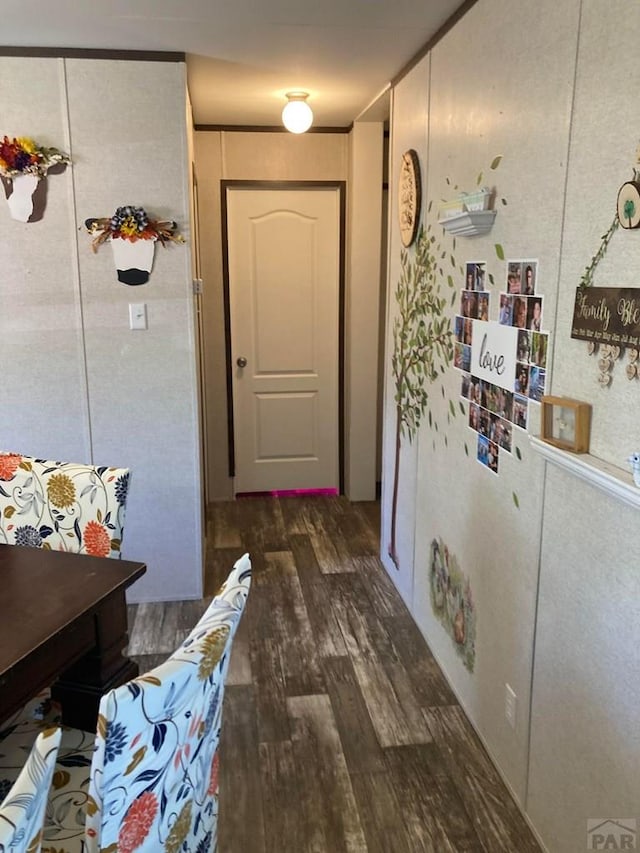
22	810
149	781
62	505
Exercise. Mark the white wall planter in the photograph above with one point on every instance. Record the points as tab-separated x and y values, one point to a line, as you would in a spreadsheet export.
470	223
133	260
21	199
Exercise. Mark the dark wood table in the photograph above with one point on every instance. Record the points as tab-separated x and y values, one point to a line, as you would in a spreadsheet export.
63	622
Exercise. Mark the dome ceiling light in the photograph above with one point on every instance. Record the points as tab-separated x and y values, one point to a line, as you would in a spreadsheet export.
297	115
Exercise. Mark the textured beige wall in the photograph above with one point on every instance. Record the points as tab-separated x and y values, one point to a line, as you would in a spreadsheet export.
585	750
409	124
554	581
86	387
256	157
362	344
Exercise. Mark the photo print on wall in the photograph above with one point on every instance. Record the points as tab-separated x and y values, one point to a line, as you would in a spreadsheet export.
507	358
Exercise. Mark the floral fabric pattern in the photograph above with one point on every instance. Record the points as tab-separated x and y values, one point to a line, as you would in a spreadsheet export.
148	781
22	810
62	505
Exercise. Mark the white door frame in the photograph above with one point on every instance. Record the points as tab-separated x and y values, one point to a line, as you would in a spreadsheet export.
285	185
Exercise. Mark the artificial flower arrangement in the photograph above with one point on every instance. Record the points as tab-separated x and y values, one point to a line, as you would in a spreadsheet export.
22	156
133	237
132	223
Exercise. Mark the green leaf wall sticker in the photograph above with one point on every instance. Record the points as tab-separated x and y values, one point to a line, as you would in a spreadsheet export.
422	346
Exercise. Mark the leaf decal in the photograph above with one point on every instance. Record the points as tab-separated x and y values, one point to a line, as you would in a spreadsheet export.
150	679
515	500
462	408
452	408
496	162
518	454
9	510
479	179
500	251
466	449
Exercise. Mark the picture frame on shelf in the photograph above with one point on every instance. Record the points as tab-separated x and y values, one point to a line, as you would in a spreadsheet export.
566	423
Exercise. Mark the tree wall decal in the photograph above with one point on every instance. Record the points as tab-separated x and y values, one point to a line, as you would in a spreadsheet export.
422	347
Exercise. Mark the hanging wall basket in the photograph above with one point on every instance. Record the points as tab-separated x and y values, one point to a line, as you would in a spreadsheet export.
133	237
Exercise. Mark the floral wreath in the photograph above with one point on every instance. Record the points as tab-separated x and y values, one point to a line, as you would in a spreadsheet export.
22	156
132	223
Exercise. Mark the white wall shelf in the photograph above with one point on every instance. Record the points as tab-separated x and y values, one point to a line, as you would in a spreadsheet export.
608	478
470	223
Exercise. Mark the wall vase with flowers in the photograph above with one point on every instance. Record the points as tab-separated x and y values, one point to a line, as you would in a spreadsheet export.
23	165
133	237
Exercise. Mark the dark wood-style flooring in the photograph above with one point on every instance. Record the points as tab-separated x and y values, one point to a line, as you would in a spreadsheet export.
340	732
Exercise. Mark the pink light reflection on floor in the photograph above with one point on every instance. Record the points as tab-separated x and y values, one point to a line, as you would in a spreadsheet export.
289	493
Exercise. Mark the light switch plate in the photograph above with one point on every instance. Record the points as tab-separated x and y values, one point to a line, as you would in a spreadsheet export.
137	315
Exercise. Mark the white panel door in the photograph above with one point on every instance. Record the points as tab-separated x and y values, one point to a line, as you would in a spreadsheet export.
284	273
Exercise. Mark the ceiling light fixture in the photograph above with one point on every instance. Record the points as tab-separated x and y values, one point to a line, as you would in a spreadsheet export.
297	114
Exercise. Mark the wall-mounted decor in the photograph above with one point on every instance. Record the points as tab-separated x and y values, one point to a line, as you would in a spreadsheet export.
23	166
565	423
607	315
469	215
409	197
422	347
133	237
629	204
503	363
608	318
452	601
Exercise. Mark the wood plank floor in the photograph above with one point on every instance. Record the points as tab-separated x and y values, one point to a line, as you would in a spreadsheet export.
340	732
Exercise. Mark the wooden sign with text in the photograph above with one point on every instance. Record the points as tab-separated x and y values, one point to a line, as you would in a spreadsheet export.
607	315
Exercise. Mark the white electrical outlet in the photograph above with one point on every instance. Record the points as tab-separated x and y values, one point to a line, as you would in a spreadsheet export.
510	705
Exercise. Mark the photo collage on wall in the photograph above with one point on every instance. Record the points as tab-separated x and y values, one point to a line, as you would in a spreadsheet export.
496	407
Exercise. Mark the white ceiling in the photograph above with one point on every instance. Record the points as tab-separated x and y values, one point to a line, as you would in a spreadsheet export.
243	55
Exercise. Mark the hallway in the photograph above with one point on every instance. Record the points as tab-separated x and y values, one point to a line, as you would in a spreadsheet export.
340	732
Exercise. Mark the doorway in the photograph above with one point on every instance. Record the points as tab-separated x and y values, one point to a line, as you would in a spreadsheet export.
283	266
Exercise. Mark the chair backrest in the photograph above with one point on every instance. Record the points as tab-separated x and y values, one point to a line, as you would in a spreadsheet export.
154	774
62	505
22	810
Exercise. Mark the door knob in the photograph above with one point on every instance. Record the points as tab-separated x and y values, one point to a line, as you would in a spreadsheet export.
241	361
